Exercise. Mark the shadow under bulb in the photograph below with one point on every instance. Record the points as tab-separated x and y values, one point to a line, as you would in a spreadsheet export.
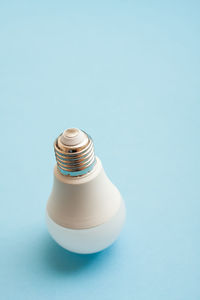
85	211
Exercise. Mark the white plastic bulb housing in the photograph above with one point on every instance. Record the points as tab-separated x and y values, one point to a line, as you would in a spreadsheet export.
85	211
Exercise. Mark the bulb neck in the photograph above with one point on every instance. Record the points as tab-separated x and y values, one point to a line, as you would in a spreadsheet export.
75	159
85	201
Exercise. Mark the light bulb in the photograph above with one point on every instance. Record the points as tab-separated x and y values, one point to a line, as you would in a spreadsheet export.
85	211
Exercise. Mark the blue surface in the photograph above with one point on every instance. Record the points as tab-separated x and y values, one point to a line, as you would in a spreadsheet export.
129	74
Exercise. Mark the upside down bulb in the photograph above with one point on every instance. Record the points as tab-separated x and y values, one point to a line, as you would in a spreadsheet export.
85	211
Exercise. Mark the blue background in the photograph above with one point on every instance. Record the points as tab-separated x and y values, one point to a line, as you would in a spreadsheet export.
128	73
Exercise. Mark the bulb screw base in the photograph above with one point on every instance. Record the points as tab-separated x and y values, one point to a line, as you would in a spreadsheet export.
74	151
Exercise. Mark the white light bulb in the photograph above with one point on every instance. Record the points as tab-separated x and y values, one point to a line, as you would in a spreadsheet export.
85	211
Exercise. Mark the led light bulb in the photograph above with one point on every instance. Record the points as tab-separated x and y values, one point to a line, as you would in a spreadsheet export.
85	211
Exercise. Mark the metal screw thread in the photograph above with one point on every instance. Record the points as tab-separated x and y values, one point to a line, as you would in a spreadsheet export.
76	160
